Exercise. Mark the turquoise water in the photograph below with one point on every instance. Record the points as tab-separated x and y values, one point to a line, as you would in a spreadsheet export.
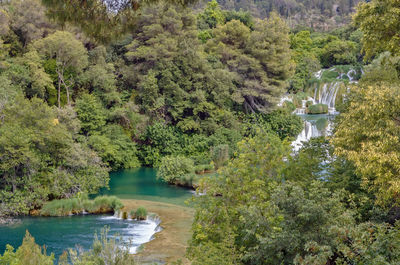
142	184
61	233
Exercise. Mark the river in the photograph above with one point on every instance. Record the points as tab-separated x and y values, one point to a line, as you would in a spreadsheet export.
61	233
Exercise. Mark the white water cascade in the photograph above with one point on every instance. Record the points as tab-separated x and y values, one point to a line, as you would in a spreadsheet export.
310	130
138	232
325	94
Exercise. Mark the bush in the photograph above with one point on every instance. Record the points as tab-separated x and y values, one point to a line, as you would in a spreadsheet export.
28	253
289	106
173	168
141	213
318	109
219	155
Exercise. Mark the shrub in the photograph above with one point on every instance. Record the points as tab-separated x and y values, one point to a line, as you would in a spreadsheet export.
173	168
219	155
28	253
132	213
141	213
199	169
288	105
318	109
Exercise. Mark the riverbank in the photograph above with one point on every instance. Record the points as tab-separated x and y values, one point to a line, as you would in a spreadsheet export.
170	244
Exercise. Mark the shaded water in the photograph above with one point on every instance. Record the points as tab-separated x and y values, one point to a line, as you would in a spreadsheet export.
142	184
61	233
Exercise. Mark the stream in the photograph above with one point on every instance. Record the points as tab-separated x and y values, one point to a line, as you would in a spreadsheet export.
61	233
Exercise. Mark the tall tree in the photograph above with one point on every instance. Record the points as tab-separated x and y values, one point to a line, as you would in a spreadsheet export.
368	135
170	74
259	59
378	20
70	56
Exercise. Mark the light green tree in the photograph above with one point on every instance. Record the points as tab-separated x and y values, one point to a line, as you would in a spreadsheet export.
70	56
378	21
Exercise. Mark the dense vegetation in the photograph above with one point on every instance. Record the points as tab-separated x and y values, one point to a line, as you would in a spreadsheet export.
333	202
195	94
177	85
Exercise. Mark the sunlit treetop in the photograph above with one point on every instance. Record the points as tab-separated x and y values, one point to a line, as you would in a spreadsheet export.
102	20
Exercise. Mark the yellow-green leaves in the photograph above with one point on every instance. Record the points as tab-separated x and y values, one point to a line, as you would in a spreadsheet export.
368	134
379	21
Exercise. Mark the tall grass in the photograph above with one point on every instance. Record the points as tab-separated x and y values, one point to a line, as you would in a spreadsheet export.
101	204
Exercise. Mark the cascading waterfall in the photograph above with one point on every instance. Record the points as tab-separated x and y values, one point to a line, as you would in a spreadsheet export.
325	94
138	232
310	130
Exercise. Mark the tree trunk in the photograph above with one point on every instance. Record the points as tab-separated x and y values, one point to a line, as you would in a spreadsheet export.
59	91
67	90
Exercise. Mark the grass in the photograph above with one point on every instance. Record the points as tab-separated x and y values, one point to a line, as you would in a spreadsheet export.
64	207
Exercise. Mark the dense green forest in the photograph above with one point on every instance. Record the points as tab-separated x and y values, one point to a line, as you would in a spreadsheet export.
193	90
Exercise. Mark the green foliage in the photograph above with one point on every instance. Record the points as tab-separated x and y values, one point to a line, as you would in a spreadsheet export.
242	188
171	76
259	59
380	28
28	253
105	250
280	121
70	56
173	169
220	155
339	52
367	136
141	213
101	204
384	68
114	147
91	113
211	16
40	157
317	109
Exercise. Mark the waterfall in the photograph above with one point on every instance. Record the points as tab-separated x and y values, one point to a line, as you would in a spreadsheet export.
327	95
310	131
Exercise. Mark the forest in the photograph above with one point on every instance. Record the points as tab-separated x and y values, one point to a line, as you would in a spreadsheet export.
196	90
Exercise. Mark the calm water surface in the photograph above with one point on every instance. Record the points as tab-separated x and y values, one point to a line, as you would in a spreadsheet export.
61	233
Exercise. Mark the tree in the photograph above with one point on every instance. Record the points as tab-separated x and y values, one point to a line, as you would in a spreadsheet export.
338	52
29	21
28	253
211	16
238	195
173	169
100	78
70	56
260	60
378	21
40	158
171	76
91	113
367	134
114	147
103	20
